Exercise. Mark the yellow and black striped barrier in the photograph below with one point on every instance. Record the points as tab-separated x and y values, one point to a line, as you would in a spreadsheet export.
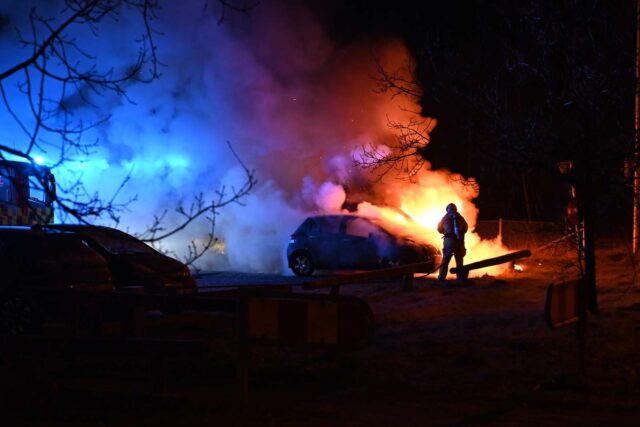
562	303
342	321
14	215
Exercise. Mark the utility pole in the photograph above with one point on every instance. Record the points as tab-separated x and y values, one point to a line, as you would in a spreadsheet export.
636	154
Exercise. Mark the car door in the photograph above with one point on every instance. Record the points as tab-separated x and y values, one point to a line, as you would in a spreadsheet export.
326	242
357	248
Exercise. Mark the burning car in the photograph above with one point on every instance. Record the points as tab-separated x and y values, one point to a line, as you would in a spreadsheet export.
350	242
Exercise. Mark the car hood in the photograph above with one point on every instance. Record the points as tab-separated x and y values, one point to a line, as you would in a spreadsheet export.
168	270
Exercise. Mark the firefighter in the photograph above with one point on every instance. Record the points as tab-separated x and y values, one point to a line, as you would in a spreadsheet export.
453	227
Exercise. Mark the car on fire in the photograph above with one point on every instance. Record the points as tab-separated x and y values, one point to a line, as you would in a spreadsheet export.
351	242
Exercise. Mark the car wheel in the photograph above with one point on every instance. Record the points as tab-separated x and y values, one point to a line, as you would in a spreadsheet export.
302	264
18	316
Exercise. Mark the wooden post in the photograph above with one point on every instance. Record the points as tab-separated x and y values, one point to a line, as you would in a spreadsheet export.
591	293
587	294
581	328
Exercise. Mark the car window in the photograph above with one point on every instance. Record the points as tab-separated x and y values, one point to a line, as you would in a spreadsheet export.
27	246
361	228
117	242
39	245
313	227
331	224
309	226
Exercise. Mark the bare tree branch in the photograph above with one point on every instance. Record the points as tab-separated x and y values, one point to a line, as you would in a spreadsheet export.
404	154
157	230
59	71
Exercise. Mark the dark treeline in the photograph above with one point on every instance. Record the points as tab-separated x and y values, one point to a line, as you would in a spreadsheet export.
517	87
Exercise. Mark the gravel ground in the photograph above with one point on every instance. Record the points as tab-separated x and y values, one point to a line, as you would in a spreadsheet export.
478	354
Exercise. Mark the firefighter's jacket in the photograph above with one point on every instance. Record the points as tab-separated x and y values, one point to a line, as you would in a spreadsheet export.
453	226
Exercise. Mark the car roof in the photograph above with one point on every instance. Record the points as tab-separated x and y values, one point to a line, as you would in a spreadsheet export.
77	226
373	220
60	229
337	216
340	217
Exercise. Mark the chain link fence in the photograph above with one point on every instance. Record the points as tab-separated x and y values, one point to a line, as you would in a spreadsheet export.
522	234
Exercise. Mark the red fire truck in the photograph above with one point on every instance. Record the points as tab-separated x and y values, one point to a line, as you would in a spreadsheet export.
26	193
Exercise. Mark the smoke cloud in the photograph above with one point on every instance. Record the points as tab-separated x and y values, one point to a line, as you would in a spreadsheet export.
295	106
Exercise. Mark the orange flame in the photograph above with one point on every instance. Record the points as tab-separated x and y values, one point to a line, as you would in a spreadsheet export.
415	208
422	212
419	207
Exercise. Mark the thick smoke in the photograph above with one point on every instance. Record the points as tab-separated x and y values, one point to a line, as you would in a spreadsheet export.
295	106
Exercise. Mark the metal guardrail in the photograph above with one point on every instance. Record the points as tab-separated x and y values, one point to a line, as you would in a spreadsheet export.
405	271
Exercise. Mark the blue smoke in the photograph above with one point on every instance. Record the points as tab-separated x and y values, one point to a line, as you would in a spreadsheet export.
293	106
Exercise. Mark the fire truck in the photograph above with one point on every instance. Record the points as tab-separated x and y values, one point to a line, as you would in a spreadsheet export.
26	193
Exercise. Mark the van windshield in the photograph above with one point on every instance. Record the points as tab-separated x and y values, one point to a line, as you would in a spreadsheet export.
36	191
